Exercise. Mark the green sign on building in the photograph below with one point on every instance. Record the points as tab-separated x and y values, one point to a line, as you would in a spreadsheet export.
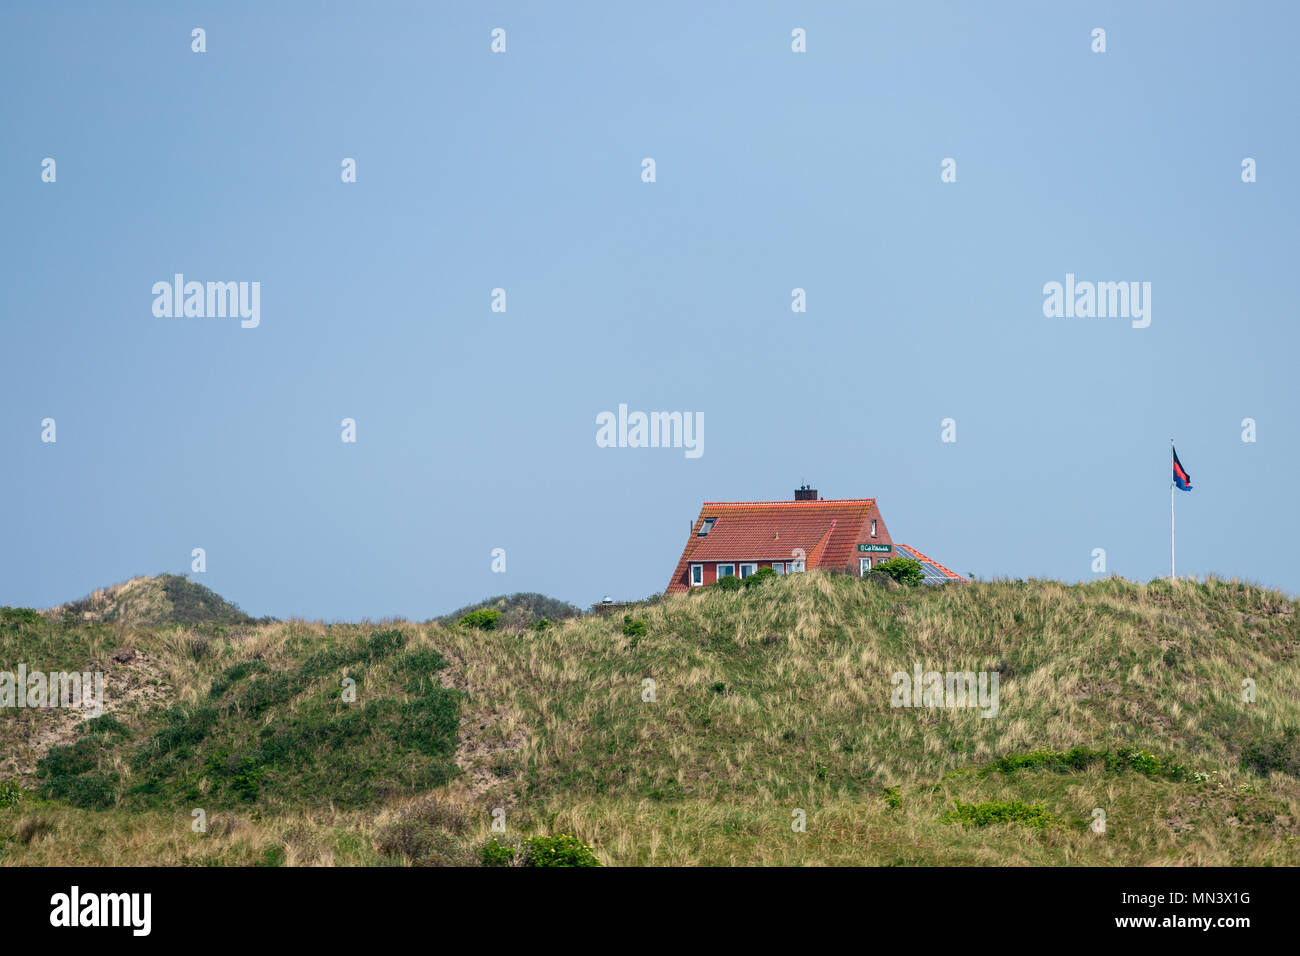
873	547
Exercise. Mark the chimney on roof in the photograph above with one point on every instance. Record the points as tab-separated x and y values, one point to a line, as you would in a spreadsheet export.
804	493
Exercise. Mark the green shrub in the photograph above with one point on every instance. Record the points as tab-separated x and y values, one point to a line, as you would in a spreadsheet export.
634	627
1115	760
903	570
759	576
423	844
519	610
729	583
17	618
10	793
485	619
437	812
892	799
558	851
881	579
493	853
105	725
68	760
384	643
541	624
999	811
1144	762
87	791
272	856
1280	753
1077	758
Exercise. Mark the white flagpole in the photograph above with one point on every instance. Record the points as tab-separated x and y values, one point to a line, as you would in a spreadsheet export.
1171	513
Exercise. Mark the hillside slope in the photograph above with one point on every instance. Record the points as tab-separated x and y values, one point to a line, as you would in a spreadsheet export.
154	602
769	710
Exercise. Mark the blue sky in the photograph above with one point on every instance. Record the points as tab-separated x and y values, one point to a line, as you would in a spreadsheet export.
522	170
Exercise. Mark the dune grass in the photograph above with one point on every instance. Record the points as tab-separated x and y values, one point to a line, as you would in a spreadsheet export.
697	739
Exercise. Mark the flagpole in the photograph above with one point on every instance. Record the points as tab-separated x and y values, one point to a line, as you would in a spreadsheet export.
1171	516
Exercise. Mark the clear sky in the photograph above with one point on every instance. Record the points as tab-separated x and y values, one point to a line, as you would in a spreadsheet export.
522	170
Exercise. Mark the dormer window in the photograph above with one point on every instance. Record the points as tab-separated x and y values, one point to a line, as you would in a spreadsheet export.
873	527
707	526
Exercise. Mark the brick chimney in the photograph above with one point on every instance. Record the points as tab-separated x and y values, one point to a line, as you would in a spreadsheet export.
804	493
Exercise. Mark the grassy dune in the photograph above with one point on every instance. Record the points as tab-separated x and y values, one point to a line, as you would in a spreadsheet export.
771	705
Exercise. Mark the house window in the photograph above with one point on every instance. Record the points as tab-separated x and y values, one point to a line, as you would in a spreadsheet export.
697	575
726	570
778	567
873	527
707	526
864	565
794	567
747	569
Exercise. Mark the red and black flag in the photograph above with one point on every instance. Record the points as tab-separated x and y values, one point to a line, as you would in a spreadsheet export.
1181	478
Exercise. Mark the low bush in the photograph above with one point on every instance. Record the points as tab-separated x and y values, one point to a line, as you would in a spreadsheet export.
1034	816
423	844
493	853
1279	753
485	619
1116	760
558	851
903	570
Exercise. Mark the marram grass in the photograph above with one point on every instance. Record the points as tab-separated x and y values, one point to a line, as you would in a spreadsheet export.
746	728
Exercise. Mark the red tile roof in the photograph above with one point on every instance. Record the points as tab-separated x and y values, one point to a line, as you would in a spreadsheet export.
826	531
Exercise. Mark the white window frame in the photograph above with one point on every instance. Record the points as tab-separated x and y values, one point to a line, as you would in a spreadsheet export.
873	527
778	567
730	573
796	567
864	565
697	571
751	565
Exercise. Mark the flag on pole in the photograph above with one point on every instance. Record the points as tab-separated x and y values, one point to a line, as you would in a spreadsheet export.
1181	478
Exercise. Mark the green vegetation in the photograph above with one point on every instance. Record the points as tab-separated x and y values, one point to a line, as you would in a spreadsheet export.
518	610
558	851
485	619
1278	752
999	811
1078	758
284	736
905	571
309	744
733	583
11	794
151	602
493	853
